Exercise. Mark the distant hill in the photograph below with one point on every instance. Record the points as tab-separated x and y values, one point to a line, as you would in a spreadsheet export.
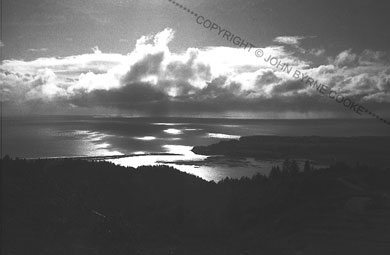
371	150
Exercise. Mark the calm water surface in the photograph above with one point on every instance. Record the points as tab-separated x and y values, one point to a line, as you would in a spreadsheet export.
71	136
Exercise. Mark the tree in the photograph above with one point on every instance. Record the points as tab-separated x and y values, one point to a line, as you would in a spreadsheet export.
275	173
290	167
294	168
307	167
286	167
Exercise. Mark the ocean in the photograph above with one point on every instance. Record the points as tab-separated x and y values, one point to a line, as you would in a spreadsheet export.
79	136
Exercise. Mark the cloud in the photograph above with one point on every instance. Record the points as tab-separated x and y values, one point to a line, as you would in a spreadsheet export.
96	50
38	50
294	43
1	44
346	58
213	80
290	40
317	52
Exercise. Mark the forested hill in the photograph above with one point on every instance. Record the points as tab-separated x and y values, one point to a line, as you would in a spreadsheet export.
371	150
81	207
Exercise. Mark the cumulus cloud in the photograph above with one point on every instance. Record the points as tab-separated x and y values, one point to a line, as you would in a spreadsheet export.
153	80
346	58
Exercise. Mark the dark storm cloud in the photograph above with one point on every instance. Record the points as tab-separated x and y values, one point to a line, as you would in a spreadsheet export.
125	97
190	68
266	78
149	65
288	86
219	89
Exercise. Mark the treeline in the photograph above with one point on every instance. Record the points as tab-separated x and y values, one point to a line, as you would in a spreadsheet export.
89	207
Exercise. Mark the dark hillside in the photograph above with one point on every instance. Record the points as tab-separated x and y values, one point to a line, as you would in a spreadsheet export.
82	207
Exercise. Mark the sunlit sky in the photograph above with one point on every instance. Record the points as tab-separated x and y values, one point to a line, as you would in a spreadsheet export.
151	58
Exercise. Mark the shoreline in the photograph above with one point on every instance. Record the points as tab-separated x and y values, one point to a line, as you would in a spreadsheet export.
104	157
322	149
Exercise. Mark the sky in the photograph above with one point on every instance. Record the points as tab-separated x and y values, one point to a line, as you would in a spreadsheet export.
151	58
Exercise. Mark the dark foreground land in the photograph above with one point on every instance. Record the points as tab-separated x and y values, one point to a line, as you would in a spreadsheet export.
66	206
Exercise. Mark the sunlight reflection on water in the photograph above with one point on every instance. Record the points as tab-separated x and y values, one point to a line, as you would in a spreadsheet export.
93	143
142	137
146	138
192	163
185	154
222	136
173	131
